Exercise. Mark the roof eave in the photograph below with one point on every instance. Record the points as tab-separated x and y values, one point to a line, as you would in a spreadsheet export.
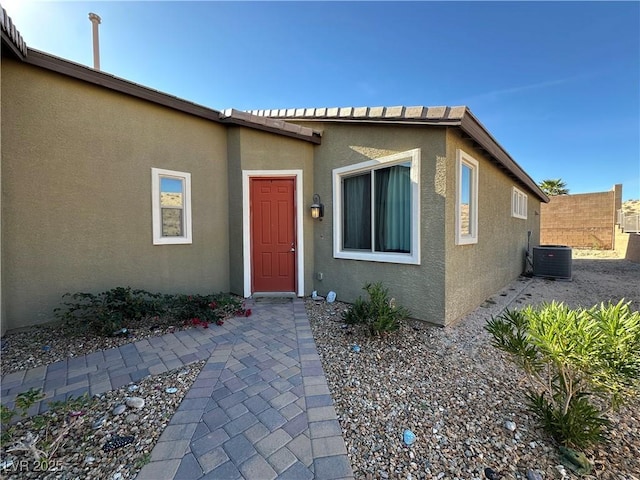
314	138
381	121
9	46
479	134
12	41
441	116
111	82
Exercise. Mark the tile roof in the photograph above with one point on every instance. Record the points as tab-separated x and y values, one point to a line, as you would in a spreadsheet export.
239	117
458	116
398	113
11	35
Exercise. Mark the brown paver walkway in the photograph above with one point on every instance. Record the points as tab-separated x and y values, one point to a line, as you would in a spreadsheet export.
259	409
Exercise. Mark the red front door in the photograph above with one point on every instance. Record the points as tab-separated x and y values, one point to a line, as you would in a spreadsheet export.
273	234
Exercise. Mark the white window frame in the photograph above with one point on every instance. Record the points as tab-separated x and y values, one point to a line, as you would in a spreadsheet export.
518	203
464	159
158	239
413	258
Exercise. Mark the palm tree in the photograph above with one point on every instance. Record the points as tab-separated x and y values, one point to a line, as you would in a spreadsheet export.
554	187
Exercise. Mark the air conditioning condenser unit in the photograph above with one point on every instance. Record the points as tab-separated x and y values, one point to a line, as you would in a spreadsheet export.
552	261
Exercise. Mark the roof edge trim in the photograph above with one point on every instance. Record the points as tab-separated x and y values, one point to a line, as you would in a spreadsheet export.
11	36
383	121
472	126
120	85
441	116
238	117
102	79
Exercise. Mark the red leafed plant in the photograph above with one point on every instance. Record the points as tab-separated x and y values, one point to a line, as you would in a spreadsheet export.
196	321
243	312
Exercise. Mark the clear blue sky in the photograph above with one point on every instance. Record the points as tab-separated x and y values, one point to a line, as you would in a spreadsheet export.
557	84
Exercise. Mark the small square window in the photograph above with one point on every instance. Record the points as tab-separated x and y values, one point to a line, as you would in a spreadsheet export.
466	199
171	207
518	204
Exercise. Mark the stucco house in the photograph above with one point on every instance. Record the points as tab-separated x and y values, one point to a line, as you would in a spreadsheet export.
460	230
108	183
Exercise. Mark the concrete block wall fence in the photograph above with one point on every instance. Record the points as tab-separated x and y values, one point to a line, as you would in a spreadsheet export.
584	220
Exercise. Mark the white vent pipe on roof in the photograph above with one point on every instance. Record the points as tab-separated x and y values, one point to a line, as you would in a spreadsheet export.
95	20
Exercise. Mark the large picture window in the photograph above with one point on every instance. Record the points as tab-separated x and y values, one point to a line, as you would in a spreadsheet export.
376	209
171	204
466	199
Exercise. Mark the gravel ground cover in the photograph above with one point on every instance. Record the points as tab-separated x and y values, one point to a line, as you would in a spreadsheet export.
447	385
456	393
98	424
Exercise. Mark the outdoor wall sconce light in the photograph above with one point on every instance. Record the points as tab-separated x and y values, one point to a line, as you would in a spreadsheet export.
317	208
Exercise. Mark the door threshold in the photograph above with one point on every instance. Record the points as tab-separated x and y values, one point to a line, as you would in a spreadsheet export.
274	294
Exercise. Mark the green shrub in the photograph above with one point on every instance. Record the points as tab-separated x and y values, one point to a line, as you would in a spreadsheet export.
205	308
581	363
107	313
47	432
228	305
63	407
24	401
380	313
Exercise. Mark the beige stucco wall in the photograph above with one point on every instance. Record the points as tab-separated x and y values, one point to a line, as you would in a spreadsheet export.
418	287
475	272
76	211
257	150
451	280
76	179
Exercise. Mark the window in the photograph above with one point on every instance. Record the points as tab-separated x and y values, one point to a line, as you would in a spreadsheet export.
466	199
377	209
518	204
171	205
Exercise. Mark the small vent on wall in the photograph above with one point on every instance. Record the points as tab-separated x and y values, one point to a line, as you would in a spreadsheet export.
552	261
